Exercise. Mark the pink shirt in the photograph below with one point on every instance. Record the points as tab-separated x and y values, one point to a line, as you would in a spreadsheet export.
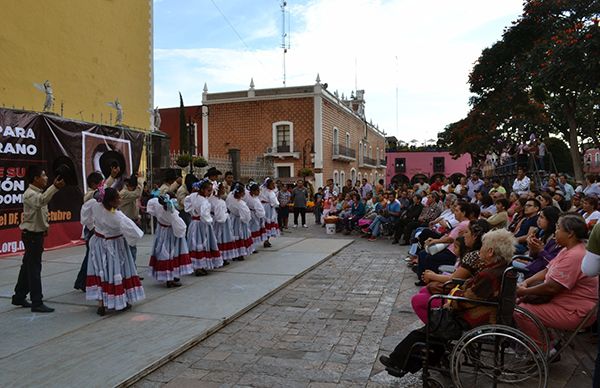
581	291
457	231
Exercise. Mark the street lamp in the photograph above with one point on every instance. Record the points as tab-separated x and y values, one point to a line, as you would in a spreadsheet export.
308	147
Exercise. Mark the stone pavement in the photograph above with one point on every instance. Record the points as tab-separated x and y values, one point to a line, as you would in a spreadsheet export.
326	329
75	347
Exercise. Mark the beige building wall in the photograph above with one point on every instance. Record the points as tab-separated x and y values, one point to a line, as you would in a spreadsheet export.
91	51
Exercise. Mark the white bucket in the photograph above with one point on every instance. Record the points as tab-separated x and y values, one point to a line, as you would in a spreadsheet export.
330	228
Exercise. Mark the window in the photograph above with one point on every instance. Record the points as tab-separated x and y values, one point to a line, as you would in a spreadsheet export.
342	178
347	140
336	178
439	164
335	136
400	165
597	158
371	152
360	151
352	176
284	170
360	177
283	136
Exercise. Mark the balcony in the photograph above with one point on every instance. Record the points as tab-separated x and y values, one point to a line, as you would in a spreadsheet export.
368	162
382	163
282	151
343	153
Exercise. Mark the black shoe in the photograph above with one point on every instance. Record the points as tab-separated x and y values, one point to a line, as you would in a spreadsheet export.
415	269
201	272
79	288
20	302
395	242
127	307
41	309
420	283
267	244
225	262
101	311
390	367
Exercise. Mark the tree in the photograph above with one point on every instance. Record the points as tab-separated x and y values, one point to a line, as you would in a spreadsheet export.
183	131
541	77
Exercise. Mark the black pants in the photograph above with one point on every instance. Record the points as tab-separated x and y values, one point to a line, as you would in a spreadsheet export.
318	212
302	212
407	354
428	233
282	216
30	275
432	262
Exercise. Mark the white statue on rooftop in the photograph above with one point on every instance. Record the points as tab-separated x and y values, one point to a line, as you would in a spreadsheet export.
46	88
117	105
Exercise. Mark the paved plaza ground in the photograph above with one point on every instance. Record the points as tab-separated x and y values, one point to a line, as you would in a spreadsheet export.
313	311
326	329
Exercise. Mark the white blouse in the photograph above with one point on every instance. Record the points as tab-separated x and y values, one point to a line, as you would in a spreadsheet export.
165	217
238	208
108	223
219	209
256	206
269	197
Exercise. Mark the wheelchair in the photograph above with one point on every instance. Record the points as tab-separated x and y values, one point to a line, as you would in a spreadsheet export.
494	355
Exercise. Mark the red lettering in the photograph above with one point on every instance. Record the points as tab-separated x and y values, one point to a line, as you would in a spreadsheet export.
1	172
15	172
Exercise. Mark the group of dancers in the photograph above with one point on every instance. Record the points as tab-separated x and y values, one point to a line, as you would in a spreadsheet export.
218	223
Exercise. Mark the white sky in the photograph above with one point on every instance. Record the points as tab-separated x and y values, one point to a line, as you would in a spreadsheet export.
423	49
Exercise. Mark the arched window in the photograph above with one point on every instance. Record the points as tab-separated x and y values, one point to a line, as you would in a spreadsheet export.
360	177
342	177
352	176
336	178
360	151
335	136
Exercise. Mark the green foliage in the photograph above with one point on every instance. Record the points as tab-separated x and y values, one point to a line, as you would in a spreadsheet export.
184	160
304	172
542	77
560	153
200	162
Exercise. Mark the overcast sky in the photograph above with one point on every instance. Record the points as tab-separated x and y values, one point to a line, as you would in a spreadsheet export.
423	49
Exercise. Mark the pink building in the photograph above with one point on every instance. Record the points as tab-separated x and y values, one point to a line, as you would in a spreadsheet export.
408	166
591	161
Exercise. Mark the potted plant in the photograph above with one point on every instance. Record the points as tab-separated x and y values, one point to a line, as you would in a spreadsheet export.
200	162
183	160
304	172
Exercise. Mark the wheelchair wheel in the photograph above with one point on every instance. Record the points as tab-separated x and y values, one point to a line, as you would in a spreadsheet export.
497	355
541	331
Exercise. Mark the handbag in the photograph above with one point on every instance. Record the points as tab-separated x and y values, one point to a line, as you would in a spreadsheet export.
445	324
435	248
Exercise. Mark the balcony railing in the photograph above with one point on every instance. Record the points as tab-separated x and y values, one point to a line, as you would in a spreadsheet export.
282	151
283	148
342	152
369	161
382	163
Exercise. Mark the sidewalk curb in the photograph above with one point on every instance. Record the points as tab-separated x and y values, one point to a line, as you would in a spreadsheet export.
195	341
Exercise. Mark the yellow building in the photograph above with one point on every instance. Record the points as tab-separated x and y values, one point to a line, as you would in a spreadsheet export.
91	51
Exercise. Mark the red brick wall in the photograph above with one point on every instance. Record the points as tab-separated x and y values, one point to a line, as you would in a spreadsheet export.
248	126
170	124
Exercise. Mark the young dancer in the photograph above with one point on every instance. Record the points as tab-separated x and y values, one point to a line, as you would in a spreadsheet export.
270	203
222	225
257	222
112	278
170	257
240	217
202	242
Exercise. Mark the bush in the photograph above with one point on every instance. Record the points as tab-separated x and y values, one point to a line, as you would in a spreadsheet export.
184	160
200	162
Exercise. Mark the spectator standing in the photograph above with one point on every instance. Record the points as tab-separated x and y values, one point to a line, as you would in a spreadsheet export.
566	187
541	154
299	199
318	210
474	184
283	211
521	183
366	188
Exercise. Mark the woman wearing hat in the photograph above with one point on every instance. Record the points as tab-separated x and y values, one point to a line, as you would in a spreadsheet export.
240	215
202	242
270	203
170	257
112	278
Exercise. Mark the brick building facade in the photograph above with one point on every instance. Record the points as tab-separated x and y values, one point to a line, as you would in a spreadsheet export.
298	127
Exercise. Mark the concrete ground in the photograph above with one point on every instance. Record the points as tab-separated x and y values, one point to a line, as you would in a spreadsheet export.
75	347
326	329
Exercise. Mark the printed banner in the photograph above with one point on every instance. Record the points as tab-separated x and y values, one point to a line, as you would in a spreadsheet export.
28	138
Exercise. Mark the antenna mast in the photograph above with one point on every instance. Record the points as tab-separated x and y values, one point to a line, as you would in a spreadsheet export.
285	38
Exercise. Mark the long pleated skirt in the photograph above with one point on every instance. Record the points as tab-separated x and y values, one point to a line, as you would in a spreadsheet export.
111	273
271	224
243	237
257	229
203	245
170	256
226	239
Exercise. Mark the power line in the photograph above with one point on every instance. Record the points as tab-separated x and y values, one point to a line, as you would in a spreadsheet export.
230	25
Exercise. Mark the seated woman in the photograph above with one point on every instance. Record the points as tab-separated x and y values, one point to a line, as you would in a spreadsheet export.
500	219
357	211
496	253
561	295
544	247
447	256
590	214
468	265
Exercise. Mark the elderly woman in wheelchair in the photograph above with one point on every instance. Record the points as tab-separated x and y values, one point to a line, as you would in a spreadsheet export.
472	305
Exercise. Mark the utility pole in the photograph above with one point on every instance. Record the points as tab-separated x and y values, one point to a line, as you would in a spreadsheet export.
285	37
